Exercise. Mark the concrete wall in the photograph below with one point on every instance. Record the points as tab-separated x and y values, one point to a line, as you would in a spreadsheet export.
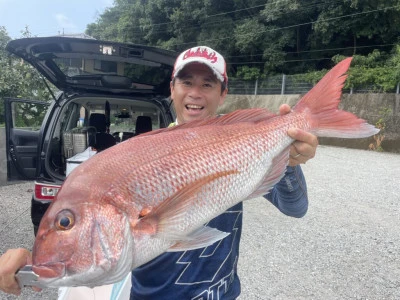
364	105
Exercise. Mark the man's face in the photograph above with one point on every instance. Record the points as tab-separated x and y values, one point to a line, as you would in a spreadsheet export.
196	93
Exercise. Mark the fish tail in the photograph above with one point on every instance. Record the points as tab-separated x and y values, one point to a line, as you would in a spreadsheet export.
320	105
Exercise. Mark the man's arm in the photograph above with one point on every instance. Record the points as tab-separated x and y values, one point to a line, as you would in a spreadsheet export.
289	195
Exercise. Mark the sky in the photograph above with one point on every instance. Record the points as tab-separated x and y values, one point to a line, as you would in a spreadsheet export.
49	17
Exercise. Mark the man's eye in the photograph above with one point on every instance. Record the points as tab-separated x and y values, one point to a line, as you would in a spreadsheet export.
186	83
207	85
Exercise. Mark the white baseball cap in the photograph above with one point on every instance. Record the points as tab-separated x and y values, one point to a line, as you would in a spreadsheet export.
204	55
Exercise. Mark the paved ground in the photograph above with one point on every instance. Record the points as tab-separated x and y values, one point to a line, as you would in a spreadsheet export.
346	247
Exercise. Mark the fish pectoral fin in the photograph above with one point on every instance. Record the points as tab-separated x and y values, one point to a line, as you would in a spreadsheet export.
200	238
165	218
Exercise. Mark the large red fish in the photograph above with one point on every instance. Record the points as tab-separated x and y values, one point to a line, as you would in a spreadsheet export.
153	193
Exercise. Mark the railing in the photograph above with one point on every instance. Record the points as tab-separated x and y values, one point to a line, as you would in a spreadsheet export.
288	84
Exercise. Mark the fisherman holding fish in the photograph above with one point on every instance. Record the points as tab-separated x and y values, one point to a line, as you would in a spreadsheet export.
199	86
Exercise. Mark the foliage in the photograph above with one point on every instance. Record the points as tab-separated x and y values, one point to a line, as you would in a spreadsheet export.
378	71
28	115
260	37
314	76
249	73
384	114
374	70
18	79
394	63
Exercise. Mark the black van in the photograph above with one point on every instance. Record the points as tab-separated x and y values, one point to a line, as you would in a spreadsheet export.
109	92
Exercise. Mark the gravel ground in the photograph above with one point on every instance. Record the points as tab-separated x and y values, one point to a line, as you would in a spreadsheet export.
348	244
346	247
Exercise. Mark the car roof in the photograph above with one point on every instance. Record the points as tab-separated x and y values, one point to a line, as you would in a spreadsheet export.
82	64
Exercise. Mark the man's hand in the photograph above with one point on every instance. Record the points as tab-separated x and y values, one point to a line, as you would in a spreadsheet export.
305	145
10	263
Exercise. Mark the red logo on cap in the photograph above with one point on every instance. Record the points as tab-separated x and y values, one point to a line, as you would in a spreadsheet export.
201	53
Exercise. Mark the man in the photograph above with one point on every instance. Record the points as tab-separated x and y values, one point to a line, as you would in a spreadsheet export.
198	87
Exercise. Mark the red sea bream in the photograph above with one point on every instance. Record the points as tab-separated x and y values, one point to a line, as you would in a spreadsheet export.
153	193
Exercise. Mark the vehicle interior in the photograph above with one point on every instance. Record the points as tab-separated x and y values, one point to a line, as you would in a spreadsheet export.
90	125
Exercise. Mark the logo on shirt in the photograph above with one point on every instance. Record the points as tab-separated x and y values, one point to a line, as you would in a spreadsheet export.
217	274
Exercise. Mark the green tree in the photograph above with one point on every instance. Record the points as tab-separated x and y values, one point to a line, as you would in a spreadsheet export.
288	24
355	24
394	63
18	79
285	36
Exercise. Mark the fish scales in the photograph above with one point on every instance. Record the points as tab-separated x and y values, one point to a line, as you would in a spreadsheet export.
168	174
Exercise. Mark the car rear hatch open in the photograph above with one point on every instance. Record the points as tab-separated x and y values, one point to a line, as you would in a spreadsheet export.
76	64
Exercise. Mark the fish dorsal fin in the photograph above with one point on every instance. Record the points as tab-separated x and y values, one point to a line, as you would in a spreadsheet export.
200	238
274	174
165	218
252	115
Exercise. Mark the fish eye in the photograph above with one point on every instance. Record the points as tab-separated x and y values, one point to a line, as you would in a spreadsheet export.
65	220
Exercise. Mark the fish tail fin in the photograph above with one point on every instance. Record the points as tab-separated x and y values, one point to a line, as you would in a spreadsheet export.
321	106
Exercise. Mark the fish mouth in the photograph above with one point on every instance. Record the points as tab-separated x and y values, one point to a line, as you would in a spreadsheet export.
50	270
194	107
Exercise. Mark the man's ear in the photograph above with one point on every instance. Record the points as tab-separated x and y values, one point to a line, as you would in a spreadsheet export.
171	87
222	97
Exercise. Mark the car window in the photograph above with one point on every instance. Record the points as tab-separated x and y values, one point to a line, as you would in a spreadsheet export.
28	116
141	76
127	122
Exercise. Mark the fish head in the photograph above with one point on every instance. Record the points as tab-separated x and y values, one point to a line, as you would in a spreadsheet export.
81	242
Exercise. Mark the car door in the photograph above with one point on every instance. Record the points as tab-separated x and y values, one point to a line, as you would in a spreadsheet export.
23	120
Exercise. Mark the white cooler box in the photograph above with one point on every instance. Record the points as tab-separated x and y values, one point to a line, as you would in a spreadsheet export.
117	291
77	159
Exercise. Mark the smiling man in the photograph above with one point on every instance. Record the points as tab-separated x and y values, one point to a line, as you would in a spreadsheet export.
198	87
199	84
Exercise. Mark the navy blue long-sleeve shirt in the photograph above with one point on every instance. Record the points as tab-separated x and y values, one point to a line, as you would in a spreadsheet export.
290	194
